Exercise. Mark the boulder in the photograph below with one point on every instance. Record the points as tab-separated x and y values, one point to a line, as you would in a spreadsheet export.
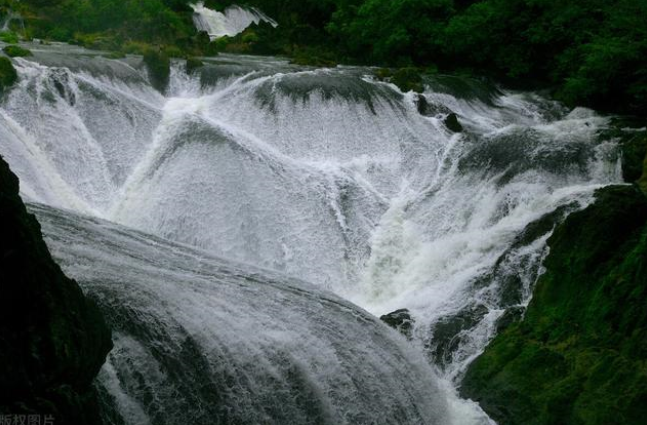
451	122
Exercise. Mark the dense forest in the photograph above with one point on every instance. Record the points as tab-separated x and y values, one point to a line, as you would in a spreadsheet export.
591	52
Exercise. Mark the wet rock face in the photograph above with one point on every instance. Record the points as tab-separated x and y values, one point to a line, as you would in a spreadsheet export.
451	122
401	321
53	340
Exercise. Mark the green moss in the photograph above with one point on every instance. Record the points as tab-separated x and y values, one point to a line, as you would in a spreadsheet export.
9	37
408	79
115	55
312	56
579	355
8	74
16	51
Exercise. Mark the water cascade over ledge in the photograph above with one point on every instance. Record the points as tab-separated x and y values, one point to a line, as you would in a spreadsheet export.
208	210
228	23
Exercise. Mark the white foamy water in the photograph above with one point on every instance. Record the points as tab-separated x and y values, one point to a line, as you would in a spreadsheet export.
228	23
326	176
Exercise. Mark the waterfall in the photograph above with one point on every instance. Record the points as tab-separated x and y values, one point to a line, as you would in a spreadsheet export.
209	208
232	21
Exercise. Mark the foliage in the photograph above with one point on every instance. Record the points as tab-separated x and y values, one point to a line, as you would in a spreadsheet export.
9	37
590	52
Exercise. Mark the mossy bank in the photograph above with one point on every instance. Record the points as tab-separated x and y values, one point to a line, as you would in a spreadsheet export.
579	354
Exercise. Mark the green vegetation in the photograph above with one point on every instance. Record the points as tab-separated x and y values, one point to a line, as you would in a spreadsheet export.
588	52
8	74
9	37
578	357
16	51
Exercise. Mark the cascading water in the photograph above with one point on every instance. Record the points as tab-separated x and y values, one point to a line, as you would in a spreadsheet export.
232	21
324	175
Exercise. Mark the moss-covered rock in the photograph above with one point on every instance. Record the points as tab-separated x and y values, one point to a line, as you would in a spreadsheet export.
579	355
192	64
408	79
8	74
313	60
53	340
16	51
158	65
115	55
634	150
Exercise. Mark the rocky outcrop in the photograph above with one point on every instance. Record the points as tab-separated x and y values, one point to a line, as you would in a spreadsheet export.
578	356
53	340
401	321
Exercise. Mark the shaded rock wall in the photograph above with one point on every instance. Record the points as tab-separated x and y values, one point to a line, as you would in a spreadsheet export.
53	340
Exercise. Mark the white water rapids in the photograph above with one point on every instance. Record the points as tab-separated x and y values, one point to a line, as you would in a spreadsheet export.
196	218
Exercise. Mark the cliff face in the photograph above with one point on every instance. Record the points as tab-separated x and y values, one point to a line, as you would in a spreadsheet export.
53	340
579	355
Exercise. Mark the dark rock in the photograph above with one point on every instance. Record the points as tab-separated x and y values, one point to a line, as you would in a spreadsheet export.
400	320
53	340
578	355
451	122
643	179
